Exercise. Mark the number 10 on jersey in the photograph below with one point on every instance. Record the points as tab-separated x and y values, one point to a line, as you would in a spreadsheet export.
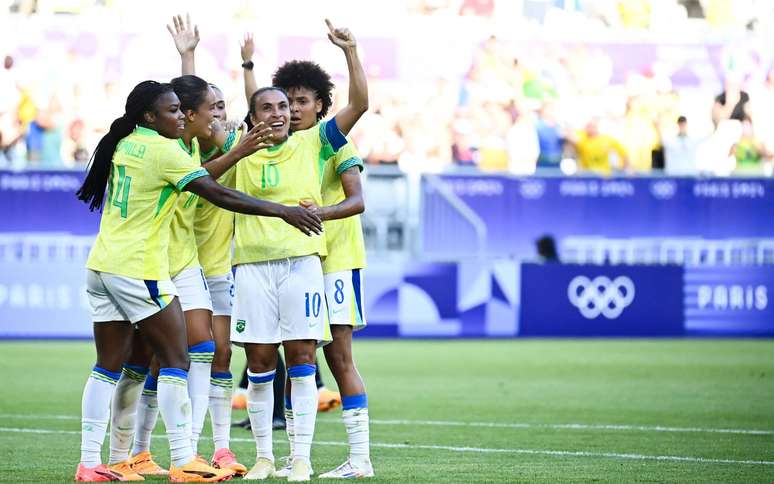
313	304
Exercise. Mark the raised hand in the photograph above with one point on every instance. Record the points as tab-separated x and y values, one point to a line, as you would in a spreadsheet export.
247	47
256	139
304	220
340	37
186	37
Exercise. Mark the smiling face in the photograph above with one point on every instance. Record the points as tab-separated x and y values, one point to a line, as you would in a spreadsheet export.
272	108
197	122
166	117
304	108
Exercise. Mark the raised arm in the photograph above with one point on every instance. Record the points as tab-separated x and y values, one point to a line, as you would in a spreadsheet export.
206	187
247	49
357	104
186	39
353	204
256	139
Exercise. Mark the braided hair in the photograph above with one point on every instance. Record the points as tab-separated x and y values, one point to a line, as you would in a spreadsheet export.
140	100
308	74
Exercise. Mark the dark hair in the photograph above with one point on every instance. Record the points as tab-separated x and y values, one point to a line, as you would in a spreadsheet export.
546	248
140	100
306	74
682	119
191	90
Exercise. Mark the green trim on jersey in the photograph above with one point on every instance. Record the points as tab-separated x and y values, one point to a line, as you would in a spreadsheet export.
165	193
191	177
349	163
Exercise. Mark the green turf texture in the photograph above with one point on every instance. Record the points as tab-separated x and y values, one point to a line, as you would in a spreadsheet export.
686	383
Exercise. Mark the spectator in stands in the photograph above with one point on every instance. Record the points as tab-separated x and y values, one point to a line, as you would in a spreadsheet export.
549	137
731	103
597	152
680	151
640	135
748	151
522	141
9	102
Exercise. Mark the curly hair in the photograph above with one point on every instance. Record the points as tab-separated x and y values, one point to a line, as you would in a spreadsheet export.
309	75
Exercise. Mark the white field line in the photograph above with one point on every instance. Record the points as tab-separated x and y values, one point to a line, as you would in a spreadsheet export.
476	450
505	425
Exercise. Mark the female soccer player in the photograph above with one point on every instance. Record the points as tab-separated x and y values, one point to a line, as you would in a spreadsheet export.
128	279
214	230
309	90
280	288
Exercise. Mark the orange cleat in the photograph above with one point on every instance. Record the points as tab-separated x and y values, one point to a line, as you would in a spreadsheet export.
100	473
144	465
225	459
125	471
195	471
327	399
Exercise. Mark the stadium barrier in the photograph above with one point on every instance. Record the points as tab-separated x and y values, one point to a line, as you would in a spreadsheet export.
726	267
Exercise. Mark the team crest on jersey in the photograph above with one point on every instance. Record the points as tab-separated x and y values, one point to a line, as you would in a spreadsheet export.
240	326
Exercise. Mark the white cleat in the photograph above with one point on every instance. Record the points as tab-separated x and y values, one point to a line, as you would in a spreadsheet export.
285	471
348	470
263	469
300	470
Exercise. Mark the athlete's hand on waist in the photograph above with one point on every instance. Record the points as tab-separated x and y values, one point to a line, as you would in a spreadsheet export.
303	219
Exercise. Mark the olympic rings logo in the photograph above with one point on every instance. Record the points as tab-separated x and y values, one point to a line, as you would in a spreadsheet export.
601	295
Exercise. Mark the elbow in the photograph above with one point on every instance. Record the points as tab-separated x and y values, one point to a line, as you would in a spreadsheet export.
359	206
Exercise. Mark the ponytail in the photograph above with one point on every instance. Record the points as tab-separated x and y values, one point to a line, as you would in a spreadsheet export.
139	101
93	189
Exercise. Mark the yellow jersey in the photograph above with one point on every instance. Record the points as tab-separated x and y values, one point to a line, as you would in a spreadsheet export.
594	153
285	174
148	173
214	226
344	237
182	241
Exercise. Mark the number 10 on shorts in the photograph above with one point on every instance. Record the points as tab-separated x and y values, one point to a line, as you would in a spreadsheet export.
313	304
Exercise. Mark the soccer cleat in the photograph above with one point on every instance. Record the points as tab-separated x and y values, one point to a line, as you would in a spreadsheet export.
225	459
144	465
278	424
285	471
100	473
263	469
125	471
195	471
245	424
239	401
348	470
300	470
327	399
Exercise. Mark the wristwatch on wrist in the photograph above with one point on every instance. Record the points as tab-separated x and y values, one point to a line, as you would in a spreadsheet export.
248	65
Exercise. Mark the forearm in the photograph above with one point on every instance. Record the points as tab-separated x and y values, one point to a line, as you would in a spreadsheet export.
220	165
350	206
250	84
233	200
358	84
187	63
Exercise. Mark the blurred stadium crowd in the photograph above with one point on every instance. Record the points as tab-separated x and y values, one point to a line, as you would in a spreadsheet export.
600	86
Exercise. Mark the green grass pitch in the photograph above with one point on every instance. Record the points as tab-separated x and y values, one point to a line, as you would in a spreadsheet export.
473	411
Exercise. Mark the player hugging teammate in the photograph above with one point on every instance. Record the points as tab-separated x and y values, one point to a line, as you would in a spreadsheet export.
159	274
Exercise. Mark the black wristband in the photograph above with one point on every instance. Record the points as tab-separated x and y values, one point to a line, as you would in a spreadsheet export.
248	65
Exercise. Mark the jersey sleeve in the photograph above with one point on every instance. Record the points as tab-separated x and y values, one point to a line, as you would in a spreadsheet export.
346	158
178	169
331	138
